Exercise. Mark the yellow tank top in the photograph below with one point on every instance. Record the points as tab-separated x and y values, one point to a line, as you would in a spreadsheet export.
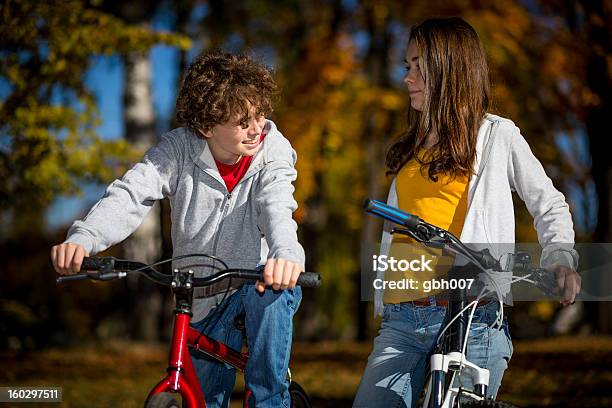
442	203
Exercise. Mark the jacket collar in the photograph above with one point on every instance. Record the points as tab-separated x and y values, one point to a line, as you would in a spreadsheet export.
202	156
483	150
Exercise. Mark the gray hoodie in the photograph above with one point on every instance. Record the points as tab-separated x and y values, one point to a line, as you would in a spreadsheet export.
505	163
244	228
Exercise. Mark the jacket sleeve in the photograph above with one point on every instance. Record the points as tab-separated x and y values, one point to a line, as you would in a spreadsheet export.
275	205
387	238
547	205
385	247
128	200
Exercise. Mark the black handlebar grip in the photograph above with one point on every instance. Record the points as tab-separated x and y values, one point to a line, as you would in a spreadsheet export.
91	264
309	279
68	278
97	264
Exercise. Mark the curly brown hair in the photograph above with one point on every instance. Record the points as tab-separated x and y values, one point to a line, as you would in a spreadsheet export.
219	87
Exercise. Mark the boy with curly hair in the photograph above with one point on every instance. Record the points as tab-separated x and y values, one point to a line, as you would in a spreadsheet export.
228	174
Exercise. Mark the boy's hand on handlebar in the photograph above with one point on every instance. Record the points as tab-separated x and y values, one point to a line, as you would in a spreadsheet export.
279	274
67	258
568	283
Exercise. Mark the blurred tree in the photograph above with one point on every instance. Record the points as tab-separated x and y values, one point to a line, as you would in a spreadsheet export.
144	297
379	119
596	32
588	24
48	142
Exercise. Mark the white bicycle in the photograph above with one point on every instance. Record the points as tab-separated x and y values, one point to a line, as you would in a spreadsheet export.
449	357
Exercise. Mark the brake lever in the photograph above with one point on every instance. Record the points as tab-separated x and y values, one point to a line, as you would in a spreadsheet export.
405	231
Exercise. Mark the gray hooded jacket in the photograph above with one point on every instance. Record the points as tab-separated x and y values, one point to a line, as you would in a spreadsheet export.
244	228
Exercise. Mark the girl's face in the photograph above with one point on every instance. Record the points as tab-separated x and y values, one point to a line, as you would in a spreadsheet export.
414	79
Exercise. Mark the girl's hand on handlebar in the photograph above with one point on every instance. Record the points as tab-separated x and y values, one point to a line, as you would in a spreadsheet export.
279	274
568	282
67	258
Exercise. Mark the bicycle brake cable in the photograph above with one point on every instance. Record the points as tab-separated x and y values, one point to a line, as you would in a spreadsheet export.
214	312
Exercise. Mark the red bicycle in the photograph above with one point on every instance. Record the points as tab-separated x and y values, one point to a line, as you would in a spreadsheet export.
181	377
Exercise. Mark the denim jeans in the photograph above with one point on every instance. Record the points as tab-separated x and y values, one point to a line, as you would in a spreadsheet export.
269	327
396	370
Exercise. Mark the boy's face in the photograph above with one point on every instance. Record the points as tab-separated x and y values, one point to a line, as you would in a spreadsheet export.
231	140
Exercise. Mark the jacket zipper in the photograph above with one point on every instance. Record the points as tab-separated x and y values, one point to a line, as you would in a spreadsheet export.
226	205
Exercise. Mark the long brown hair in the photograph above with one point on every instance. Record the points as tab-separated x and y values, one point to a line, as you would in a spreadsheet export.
456	99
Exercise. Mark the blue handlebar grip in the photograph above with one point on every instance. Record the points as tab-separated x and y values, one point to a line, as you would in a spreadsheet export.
391	213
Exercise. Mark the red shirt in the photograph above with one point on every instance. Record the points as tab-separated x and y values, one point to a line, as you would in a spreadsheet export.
233	173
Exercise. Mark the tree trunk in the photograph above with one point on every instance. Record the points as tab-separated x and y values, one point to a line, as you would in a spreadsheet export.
598	79
145	243
377	68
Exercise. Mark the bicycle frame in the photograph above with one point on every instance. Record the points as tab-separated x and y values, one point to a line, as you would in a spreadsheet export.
451	357
181	377
440	366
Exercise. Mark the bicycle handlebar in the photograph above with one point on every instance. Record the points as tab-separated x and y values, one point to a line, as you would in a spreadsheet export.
424	232
110	268
435	236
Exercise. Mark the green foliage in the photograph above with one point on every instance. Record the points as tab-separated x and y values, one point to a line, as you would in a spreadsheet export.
48	141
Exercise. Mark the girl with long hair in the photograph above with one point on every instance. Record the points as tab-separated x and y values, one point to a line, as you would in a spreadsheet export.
456	167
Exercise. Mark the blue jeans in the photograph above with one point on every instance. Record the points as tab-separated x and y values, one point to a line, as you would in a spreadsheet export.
269	326
395	373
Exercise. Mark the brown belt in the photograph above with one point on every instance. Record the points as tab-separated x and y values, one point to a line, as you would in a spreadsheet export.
216	288
444	302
